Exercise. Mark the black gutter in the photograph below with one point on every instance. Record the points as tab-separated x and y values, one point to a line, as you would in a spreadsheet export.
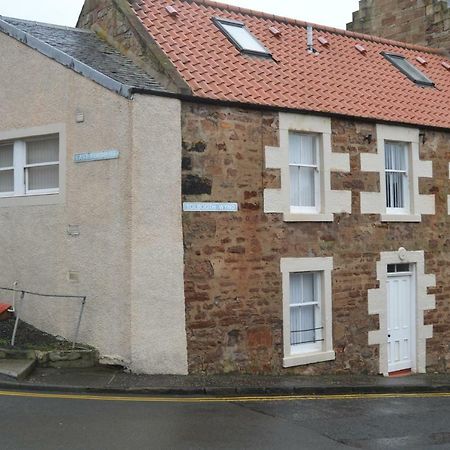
274	108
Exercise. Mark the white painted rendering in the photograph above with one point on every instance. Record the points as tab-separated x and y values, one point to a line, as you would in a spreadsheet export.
378	304
158	332
278	200
325	266
375	202
113	232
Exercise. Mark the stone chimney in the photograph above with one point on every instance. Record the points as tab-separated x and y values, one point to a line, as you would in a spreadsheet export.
421	22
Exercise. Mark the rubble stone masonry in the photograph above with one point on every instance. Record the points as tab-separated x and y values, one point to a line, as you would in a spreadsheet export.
421	22
232	260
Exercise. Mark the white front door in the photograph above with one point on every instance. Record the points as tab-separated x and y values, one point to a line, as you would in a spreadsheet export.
400	319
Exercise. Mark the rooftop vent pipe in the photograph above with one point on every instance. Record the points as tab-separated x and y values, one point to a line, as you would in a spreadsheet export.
310	39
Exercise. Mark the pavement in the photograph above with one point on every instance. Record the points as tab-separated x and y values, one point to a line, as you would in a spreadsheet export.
112	380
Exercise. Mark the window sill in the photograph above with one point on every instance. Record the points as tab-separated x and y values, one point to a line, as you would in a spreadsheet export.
308	358
32	199
29	194
304	217
401	217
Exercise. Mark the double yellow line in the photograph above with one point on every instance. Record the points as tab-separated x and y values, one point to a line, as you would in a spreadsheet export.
210	399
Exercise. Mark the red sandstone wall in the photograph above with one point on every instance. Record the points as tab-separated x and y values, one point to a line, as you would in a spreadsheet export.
232	274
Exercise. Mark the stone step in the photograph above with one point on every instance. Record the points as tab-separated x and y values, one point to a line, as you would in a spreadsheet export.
17	368
10	353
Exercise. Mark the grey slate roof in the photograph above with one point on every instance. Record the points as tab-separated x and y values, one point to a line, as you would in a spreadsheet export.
84	52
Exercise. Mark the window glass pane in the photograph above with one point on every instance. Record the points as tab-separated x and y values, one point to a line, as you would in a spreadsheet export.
302	149
294	148
307	149
295	287
396	182
395	193
395	156
7	181
43	150
6	155
308	294
243	37
303	186
393	268
307	324
307	188
303	324
295	185
295	326
43	177
304	318
413	72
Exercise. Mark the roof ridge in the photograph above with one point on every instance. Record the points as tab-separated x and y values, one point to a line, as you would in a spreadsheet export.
45	24
301	23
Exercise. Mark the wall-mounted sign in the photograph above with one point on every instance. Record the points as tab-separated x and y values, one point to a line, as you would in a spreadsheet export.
96	156
210	207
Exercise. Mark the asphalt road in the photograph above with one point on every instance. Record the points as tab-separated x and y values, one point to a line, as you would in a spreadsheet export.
85	423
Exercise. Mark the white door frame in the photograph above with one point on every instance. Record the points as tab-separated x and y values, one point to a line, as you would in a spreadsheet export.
411	274
377	305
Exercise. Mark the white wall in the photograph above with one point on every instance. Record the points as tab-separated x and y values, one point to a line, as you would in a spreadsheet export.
99	197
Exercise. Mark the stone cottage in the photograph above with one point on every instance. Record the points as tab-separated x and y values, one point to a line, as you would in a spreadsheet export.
280	203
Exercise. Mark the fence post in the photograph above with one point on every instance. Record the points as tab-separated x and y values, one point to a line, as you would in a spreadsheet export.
16	324
79	322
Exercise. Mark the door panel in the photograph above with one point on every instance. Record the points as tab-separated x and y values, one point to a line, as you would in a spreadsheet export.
399	315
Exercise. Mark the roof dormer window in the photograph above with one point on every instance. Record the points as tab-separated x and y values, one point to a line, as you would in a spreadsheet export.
405	67
241	37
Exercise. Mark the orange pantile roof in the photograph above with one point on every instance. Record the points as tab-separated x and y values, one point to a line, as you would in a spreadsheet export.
338	80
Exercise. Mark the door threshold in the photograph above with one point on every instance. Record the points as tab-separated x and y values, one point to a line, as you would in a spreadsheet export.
400	373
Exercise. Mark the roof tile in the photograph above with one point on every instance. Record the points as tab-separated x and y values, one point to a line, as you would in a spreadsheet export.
336	80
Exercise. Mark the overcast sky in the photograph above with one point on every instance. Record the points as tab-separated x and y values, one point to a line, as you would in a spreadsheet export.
335	13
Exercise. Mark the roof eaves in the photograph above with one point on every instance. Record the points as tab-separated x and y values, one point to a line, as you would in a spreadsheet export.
65	59
301	23
369	118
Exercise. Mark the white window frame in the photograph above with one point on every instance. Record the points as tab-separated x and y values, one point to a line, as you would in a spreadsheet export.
21	184
405	180
375	202
299	209
301	354
8	169
34	197
316	345
331	201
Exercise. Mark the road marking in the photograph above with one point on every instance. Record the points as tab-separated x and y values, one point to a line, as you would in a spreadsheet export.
252	399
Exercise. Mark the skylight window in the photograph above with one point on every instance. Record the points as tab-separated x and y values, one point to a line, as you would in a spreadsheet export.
405	67
241	37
